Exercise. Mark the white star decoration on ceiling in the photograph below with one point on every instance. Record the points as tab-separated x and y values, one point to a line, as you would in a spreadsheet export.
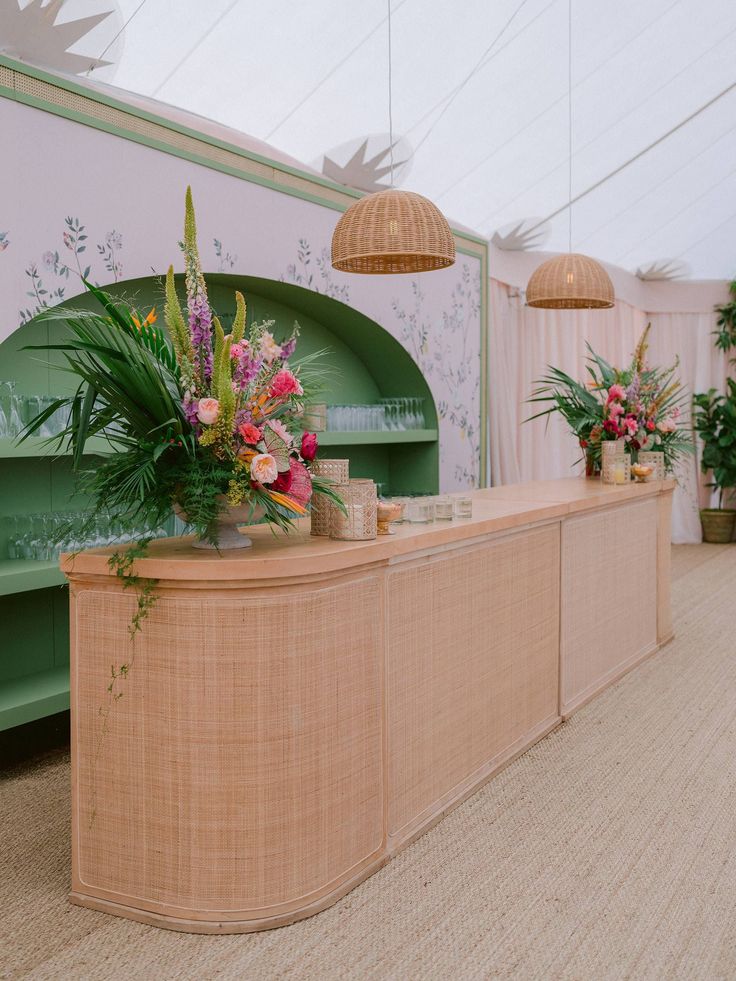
35	33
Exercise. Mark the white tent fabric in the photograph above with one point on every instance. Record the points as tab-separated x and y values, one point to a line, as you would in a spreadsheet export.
480	92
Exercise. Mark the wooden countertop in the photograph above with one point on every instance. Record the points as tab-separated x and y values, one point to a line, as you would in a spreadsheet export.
280	556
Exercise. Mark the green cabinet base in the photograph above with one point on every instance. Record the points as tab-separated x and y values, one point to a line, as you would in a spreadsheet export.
34	696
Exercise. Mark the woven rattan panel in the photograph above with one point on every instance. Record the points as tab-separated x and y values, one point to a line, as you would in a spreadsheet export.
609	610
148	130
241	769
472	663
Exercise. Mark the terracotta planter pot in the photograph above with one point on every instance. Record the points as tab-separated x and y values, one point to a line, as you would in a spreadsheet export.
718	524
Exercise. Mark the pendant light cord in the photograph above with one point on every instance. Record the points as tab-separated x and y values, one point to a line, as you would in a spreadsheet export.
390	99
569	125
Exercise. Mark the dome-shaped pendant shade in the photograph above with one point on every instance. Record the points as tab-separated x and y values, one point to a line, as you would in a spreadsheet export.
570	282
392	232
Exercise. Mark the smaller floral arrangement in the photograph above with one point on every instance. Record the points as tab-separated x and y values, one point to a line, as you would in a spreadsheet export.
639	405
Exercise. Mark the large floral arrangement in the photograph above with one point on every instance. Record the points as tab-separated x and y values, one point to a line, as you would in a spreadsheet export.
199	419
638	404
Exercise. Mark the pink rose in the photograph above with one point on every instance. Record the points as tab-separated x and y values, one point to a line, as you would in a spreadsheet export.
263	468
616	392
285	383
650	425
208	410
250	433
309	446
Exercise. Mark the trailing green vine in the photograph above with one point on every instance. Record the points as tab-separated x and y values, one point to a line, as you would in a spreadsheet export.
122	563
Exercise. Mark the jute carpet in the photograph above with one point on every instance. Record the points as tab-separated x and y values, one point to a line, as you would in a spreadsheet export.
606	851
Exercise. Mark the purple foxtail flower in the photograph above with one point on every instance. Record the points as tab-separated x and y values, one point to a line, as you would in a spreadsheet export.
288	348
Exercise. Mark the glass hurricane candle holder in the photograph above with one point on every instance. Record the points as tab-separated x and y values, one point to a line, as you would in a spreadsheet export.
420	510
463	507
443	509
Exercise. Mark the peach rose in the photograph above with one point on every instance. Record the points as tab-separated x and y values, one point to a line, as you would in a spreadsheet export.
208	410
263	468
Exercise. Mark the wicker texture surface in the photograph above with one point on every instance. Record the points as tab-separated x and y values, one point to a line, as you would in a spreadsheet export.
241	769
359	522
605	852
392	232
336	471
653	458
570	282
609	604
472	664
274	745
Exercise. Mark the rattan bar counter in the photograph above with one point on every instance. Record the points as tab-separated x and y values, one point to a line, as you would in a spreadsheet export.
294	714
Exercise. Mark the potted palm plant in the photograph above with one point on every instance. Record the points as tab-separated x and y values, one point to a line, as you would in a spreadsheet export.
714	420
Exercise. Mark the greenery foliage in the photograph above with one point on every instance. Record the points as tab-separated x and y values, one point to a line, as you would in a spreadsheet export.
714	420
725	332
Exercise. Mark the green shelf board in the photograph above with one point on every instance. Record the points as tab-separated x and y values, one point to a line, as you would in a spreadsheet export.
34	697
22	575
35	446
332	438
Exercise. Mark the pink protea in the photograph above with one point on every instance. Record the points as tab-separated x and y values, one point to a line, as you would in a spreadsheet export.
285	383
301	483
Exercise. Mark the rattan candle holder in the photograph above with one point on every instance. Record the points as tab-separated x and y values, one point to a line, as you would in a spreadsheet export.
359	523
655	459
336	471
615	463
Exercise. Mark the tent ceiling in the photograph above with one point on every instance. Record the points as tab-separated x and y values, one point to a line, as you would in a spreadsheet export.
490	145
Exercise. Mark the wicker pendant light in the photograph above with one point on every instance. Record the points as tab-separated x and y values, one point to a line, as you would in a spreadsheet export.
570	281
392	231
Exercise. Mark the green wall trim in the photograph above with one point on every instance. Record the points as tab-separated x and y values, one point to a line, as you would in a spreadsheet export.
92	96
70	86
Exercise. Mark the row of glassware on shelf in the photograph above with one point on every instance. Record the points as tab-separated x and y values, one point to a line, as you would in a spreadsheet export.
388	415
45	535
16	411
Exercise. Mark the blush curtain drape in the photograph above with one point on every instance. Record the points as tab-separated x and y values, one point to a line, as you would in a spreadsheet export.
524	341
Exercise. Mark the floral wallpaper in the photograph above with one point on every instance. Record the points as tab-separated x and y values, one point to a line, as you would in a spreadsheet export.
93	229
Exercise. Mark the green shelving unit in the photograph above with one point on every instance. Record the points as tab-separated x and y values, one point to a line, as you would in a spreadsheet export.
366	364
370	438
22	575
34	696
36	448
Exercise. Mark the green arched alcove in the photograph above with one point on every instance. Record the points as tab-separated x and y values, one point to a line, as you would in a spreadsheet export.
365	363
